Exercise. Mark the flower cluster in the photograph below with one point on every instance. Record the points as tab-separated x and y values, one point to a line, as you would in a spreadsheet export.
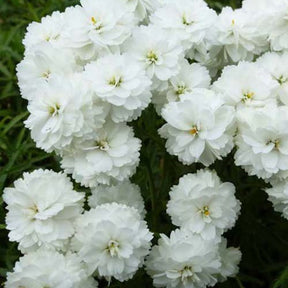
37	269
220	83
241	105
196	255
47	219
185	260
83	84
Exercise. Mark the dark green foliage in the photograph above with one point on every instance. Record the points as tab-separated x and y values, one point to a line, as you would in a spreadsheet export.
260	232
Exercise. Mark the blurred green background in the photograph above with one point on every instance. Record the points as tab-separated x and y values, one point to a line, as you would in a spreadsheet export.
260	232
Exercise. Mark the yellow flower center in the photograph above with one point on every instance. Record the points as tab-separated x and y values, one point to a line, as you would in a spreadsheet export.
205	211
115	81
275	142
97	25
53	110
281	80
152	57
102	145
34	210
185	21
181	89
46	74
186	273
247	96
93	20
194	131
112	248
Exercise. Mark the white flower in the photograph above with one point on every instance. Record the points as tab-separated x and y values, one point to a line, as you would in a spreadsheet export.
39	65
184	260
50	30
122	82
256	5
189	77
102	23
240	34
246	84
230	259
63	110
142	8
278	20
199	127
263	141
157	54
113	154
42	207
208	54
185	20
123	193
203	204
276	65
112	240
278	195
46	268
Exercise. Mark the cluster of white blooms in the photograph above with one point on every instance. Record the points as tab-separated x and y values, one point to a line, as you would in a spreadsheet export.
186	260
196	255
83	79
45	216
48	268
92	68
220	83
242	103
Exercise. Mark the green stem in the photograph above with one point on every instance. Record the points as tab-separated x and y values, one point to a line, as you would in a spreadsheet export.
239	282
153	195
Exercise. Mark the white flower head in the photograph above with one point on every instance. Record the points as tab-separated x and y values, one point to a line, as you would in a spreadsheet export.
254	5
40	65
189	77
185	20
278	195
276	65
102	23
203	204
42	207
184	260
112	240
122	82
278	17
208	53
49	30
112	155
199	127
230	259
64	110
47	268
240	34
142	8
246	84
156	52
262	141
123	192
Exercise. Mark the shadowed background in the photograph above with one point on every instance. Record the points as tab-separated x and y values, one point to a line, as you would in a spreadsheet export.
260	232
